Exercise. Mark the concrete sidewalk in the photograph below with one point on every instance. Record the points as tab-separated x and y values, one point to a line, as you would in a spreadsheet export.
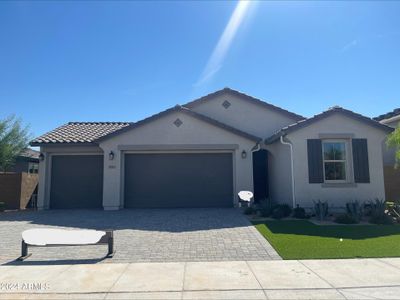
307	279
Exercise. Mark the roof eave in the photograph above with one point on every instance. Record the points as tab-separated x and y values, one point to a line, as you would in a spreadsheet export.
186	110
41	144
247	97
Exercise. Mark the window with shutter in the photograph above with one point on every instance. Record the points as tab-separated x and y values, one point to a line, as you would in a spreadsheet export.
360	160
314	153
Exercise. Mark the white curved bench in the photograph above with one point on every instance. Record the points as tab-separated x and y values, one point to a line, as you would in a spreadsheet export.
49	237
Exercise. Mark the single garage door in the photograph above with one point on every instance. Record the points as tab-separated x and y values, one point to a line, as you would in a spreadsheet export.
76	181
178	180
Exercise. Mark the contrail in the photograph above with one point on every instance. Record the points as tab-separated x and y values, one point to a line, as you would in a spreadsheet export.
216	59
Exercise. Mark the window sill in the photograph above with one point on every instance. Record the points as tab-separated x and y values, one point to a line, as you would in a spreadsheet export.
339	185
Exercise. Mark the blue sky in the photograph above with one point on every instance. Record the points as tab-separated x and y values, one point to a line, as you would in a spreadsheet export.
122	61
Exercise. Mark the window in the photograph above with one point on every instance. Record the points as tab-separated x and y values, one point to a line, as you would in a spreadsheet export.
33	168
335	161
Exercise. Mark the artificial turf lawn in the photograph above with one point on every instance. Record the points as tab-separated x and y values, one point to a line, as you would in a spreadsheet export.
304	240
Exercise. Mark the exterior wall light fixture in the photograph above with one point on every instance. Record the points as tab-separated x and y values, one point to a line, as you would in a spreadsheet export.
41	156
111	155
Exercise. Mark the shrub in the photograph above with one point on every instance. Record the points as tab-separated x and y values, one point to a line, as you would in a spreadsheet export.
278	213
281	211
264	212
354	210
378	208
249	211
383	220
321	210
299	213
378	213
346	219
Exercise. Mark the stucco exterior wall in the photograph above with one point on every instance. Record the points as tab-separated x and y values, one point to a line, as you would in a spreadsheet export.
337	195
163	135
244	115
279	173
43	201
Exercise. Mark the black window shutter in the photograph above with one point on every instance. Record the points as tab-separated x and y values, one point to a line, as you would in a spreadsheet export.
315	165
360	160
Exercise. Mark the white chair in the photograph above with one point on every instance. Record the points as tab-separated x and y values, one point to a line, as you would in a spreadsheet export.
245	197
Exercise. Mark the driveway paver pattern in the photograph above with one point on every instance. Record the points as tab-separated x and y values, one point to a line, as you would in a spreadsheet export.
146	235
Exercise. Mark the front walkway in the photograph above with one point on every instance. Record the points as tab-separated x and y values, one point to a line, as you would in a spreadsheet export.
307	279
152	235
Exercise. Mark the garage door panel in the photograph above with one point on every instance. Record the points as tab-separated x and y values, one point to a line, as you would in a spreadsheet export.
178	180
76	181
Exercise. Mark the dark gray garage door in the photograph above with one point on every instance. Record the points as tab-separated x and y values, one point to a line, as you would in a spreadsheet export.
76	181
178	180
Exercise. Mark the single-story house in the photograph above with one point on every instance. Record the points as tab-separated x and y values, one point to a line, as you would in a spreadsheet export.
27	161
202	153
391	174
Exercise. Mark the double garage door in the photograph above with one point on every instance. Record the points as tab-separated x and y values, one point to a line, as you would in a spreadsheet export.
163	180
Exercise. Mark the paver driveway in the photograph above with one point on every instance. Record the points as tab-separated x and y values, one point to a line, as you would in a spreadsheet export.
148	235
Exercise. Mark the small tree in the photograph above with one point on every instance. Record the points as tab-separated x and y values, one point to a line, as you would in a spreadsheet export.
393	141
13	139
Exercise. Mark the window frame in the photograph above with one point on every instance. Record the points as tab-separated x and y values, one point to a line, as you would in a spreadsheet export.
33	166
346	161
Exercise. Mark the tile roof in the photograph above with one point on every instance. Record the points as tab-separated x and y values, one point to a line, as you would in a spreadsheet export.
388	115
78	133
330	111
29	153
245	97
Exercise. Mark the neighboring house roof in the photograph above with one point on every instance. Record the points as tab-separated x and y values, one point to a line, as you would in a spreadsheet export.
394	113
29	154
246	98
187	111
323	115
78	133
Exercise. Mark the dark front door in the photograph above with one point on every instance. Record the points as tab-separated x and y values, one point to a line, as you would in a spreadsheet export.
178	180
260	174
76	181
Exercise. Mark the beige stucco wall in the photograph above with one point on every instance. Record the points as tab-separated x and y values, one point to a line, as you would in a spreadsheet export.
337	195
43	201
163	135
244	115
279	173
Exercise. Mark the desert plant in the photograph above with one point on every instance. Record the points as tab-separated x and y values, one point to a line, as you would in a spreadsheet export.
378	208
378	213
382	220
281	211
277	213
394	210
346	219
264	212
354	210
264	207
321	210
299	212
